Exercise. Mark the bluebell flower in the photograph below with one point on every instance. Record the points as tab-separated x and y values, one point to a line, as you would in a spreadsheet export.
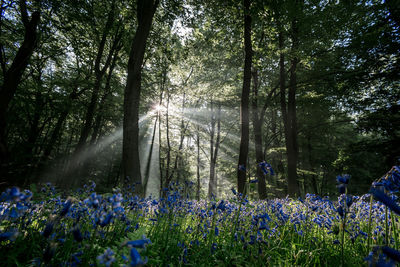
213	247
136	260
141	243
216	231
385	199
341	211
10	235
106	220
234	191
107	258
254	181
344	179
391	253
221	205
13	213
242	168
265	167
349	200
66	206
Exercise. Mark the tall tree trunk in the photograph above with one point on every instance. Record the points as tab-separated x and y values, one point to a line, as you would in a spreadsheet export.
161	161
148	162
244	104
292	146
214	146
167	167
180	159
130	147
258	119
198	162
12	76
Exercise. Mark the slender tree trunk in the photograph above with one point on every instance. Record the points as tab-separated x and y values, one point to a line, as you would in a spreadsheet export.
130	147
99	74
179	158
258	120
292	146
161	160
244	104
214	147
148	162
12	76
198	163
211	182
167	167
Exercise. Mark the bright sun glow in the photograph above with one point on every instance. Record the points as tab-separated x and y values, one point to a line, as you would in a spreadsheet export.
159	108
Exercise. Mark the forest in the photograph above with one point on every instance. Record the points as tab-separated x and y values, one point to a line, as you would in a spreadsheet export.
232	122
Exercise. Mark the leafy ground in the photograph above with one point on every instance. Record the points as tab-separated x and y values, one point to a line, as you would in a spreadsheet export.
116	229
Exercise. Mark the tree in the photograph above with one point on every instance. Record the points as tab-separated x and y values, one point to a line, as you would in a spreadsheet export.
244	104
12	75
130	153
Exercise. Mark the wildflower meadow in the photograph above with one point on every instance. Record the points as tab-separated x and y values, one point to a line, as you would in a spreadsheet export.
48	228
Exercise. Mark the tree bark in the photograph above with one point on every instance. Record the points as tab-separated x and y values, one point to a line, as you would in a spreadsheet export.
198	163
292	145
244	104
12	76
214	147
130	147
258	119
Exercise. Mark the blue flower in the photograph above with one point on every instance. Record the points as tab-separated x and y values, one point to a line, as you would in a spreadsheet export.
391	253
242	168
385	199
349	200
10	235
141	243
344	179
136	260
340	211
107	258
106	220
265	167
254	181
234	191
66	206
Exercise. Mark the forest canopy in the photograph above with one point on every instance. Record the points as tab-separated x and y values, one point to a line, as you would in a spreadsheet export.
271	98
